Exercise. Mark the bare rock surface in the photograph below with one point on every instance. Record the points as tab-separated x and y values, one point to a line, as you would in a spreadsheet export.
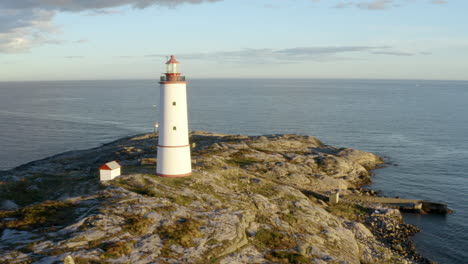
249	200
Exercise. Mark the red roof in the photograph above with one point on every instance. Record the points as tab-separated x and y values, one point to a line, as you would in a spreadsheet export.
172	60
110	166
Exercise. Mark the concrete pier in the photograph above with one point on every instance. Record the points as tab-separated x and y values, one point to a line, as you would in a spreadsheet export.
409	205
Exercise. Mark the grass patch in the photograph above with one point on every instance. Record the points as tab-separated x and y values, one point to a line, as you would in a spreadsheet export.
349	211
46	214
116	249
181	232
136	225
80	260
166	252
180	182
139	169
39	187
147	191
212	242
263	219
137	185
181	200
290	218
231	174
208	189
239	158
287	257
202	187
275	240
241	161
165	208
145	186
267	190
18	192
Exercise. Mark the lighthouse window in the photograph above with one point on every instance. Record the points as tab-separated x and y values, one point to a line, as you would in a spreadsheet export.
174	128
174	103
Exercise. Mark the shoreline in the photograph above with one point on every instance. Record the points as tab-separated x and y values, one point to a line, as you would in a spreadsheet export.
226	153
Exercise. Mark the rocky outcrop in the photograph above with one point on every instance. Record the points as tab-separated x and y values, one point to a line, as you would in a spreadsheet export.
249	200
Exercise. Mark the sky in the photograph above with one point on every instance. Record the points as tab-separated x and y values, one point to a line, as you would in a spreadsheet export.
130	39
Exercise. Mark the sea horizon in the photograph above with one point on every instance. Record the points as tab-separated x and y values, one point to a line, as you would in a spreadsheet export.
240	78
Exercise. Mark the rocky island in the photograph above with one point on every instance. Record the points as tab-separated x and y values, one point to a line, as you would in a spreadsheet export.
251	199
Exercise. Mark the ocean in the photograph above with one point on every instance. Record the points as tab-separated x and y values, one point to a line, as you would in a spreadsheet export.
420	127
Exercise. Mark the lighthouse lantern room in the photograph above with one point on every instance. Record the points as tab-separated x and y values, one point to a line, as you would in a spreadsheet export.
173	144
172	66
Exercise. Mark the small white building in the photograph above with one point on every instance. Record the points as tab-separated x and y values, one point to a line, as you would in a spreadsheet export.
109	171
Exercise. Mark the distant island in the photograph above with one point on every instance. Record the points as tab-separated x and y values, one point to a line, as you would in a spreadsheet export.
251	199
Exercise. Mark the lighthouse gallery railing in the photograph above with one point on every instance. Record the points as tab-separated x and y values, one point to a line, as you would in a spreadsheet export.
173	79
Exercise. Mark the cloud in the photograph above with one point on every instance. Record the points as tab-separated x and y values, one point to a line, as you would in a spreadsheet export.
396	53
82	5
380	4
25	24
22	29
376	5
439	2
327	50
292	55
368	5
100	12
28	23
72	57
81	41
129	57
11	19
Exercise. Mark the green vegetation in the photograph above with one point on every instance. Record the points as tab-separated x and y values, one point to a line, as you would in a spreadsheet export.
241	161
239	158
116	249
38	188
208	189
182	232
175	182
149	187
139	169
284	257
349	211
165	208
230	174
138	185
213	242
48	214
147	191
290	218
142	183
267	190
181	199
275	240
267	147
136	225
80	260
262	218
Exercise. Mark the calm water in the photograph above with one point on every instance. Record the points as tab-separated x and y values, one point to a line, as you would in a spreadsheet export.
422	126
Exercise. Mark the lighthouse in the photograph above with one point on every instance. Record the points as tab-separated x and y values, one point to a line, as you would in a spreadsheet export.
173	143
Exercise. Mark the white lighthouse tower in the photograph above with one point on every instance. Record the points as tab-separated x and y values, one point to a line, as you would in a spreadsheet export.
173	145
